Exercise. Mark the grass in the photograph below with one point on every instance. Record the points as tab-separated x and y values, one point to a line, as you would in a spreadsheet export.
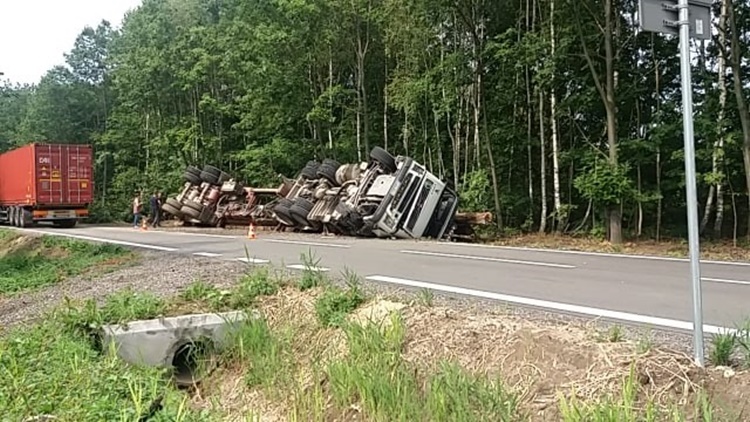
368	378
33	263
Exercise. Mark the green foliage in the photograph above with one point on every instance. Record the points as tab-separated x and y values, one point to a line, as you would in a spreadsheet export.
51	260
312	275
605	183
723	346
335	304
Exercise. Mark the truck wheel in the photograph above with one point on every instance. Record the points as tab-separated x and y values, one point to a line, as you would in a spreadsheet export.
169	208
212	170
24	217
327	171
192	175
191	212
384	158
299	211
12	217
223	177
192	205
310	170
283	213
210	178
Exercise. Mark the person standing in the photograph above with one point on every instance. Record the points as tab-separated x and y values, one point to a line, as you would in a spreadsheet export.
136	209
155	206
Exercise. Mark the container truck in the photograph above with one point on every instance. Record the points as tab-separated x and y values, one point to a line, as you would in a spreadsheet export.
44	182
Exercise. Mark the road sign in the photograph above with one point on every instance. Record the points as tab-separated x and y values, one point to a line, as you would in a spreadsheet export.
663	16
686	18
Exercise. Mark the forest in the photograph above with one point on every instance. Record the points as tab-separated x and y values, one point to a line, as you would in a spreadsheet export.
559	116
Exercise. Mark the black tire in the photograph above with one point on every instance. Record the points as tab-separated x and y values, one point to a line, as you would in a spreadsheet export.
25	218
192	205
168	208
192	177
12	216
174	203
193	169
212	170
327	171
210	178
299	211
310	171
384	158
191	212
282	211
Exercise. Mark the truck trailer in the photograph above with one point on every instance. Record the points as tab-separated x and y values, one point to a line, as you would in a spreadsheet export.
44	182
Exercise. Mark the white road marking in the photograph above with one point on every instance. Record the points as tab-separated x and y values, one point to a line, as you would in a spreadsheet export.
128	229
484	258
253	260
726	281
301	242
207	254
304	267
601	254
564	307
99	239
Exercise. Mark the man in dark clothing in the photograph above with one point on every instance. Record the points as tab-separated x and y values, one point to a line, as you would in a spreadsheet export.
155	205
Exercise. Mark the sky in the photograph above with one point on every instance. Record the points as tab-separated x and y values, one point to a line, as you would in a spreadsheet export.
34	34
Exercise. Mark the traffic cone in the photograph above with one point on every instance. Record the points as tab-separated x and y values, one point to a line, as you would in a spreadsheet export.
144	226
251	232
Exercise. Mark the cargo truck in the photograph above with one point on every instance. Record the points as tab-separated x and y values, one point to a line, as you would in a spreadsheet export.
43	182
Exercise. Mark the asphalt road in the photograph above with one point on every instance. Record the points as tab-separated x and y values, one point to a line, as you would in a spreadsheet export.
644	290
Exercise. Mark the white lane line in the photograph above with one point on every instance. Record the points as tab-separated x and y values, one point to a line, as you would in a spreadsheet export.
303	267
128	229
600	254
484	258
207	254
301	242
100	239
564	307
253	260
726	281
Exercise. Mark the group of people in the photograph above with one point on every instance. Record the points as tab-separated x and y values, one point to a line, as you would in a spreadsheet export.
154	203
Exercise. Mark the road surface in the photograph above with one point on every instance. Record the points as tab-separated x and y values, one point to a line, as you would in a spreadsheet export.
643	290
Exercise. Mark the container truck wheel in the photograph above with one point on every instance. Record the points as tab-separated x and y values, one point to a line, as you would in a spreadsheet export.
282	211
299	211
210	178
12	213
192	175
171	209
384	158
191	211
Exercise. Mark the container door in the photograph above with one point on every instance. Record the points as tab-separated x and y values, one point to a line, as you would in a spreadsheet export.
78	175
49	173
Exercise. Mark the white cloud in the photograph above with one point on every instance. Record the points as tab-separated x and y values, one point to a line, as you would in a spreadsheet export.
34	34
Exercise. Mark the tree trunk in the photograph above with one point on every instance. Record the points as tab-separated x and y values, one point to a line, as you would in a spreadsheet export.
553	123
736	59
543	170
719	148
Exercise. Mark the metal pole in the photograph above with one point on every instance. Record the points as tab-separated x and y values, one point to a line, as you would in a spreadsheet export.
692	201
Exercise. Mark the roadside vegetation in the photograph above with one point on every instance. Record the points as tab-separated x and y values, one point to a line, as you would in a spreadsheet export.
28	263
326	349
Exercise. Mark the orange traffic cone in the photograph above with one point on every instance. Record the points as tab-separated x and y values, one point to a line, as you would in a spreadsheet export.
251	232
144	226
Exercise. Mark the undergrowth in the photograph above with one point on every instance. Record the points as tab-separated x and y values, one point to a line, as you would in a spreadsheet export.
40	262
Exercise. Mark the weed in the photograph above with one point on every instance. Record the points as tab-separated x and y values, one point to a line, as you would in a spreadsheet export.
722	348
614	334
335	304
426	297
254	284
645	344
311	274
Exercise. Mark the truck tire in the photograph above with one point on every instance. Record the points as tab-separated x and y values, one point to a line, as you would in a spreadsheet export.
299	211
282	211
174	203
223	177
310	171
169	208
192	175
12	219
25	218
210	178
384	158
192	205
327	171
191	212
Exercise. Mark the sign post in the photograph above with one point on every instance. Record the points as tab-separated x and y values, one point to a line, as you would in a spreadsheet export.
686	18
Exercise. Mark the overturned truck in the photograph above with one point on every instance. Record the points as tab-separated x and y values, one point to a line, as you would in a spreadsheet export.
385	197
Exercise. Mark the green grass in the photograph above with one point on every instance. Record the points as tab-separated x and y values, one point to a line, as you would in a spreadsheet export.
49	260
333	306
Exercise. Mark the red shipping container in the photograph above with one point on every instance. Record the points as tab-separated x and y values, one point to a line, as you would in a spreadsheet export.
42	176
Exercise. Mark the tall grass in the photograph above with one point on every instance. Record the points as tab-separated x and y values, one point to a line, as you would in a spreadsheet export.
49	260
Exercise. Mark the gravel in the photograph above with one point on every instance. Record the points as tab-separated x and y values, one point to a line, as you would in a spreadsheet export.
160	273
